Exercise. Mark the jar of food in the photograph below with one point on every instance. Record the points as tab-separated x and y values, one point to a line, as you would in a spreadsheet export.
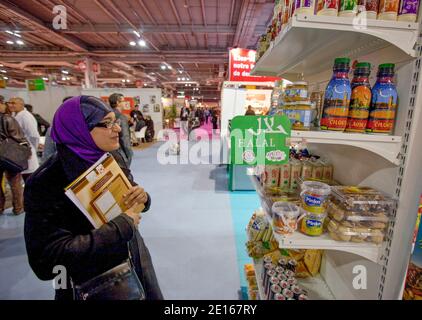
408	10
300	114
368	8
327	7
313	224
285	217
388	9
348	8
297	91
304	7
315	196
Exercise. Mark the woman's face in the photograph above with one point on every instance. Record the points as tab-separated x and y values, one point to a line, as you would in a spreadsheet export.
106	133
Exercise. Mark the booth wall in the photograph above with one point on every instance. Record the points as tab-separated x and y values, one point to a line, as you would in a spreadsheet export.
144	98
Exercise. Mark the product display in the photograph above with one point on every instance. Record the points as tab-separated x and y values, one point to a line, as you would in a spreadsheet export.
382	113
360	100
337	97
304	7
260	235
297	91
299	113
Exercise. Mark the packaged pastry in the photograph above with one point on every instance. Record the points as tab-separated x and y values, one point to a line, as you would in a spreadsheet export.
307	168
295	172
318	170
362	199
271	176
285	176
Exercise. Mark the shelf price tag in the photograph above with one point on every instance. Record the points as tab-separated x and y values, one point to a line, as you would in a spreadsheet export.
259	140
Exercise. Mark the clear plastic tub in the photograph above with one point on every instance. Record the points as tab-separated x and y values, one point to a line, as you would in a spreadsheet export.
362	199
285	217
339	232
314	196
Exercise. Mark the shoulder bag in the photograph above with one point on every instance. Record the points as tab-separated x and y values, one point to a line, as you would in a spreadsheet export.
14	155
118	283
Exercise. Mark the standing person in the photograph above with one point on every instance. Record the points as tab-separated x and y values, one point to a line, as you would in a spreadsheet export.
56	231
29	127
42	124
150	133
184	117
250	111
10	128
116	101
207	115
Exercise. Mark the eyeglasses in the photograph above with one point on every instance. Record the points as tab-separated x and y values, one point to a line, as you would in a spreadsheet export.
108	124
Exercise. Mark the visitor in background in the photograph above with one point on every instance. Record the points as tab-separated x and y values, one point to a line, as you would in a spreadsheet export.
207	115
29	127
150	133
250	111
184	117
56	232
49	144
10	128
42	124
117	102
138	118
214	119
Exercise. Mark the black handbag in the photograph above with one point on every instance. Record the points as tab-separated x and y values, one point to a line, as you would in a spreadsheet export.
14	155
118	283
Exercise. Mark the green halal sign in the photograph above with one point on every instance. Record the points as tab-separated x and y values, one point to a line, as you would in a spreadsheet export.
258	140
36	85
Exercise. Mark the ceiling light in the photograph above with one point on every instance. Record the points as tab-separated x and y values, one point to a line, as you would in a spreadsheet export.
178	79
3	71
132	43
9	42
45	78
63	78
137	33
163	67
128	81
65	72
20	42
123	80
17	35
1	65
187	79
180	71
5	78
169	67
183	79
142	43
145	84
68	78
9	32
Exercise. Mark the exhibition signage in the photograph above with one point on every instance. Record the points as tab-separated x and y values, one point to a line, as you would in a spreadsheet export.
241	62
36	85
259	140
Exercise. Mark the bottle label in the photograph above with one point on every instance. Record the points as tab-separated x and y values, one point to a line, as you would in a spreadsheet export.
349	5
408	7
389	6
359	109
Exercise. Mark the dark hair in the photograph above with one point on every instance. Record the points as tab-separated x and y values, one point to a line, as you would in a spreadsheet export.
29	107
67	98
2	99
113	99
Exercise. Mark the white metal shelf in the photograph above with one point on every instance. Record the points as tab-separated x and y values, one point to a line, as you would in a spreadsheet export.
385	146
315	286
367	250
308	44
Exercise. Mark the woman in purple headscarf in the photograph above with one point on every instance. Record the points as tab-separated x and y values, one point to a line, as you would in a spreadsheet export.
56	232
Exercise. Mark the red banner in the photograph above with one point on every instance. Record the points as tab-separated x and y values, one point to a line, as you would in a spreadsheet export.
241	62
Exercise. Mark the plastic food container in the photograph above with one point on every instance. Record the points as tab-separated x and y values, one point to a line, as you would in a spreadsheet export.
313	224
300	114
363	199
285	217
339	232
297	91
314	196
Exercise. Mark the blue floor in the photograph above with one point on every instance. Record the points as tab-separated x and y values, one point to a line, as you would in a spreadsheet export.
195	232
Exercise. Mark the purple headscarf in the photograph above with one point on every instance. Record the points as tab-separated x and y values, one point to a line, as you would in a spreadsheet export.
72	124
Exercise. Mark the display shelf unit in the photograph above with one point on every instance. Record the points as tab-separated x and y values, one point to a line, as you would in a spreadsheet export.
385	146
315	286
308	44
298	240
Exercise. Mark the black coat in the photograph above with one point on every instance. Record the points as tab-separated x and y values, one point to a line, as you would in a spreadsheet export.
57	233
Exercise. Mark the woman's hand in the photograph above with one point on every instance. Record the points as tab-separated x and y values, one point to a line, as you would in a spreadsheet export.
135	213
135	196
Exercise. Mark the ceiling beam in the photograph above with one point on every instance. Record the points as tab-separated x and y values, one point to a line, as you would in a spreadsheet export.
231	12
176	14
204	17
130	23
108	13
67	41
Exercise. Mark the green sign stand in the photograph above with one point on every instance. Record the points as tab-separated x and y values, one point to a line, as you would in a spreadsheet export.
36	85
259	140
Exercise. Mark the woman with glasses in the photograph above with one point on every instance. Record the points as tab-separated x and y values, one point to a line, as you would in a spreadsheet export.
56	232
